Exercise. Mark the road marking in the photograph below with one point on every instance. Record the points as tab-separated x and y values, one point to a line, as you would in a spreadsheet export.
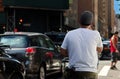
104	71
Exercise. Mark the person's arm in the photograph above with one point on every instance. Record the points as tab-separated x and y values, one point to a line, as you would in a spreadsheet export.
63	52
99	49
63	49
100	44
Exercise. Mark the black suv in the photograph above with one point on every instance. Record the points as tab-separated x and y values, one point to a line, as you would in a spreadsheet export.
10	68
35	50
57	37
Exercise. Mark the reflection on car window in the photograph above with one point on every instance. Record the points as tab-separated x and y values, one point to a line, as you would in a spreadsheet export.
14	41
56	37
50	44
42	42
34	41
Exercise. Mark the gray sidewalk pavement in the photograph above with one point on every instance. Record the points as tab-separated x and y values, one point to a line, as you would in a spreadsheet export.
112	74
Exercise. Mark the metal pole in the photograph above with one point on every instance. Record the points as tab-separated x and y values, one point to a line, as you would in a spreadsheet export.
7	25
61	22
14	20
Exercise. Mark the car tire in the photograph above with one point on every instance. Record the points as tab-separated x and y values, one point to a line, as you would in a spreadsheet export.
42	73
16	75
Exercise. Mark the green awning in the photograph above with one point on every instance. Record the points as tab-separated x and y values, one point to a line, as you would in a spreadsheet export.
2	18
49	4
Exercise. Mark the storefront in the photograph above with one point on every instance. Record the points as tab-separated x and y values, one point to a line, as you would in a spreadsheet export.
35	15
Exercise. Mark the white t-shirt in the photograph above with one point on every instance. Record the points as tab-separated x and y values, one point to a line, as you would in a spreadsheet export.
81	45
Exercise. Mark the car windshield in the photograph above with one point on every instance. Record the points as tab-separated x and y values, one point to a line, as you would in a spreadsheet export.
14	41
57	38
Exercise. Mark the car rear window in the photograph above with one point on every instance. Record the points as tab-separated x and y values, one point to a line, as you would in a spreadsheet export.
56	38
14	41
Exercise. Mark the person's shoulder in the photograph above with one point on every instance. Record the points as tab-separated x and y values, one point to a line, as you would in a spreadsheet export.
72	31
69	32
96	32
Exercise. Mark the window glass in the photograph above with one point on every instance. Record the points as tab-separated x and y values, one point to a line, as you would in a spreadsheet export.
42	41
50	44
34	41
14	41
57	38
46	42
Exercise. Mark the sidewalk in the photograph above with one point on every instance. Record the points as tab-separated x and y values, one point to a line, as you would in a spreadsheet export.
111	74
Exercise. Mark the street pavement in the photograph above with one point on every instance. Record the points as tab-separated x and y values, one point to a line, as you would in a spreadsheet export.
104	71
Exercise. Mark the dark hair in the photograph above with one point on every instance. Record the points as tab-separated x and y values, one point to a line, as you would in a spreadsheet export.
86	18
116	32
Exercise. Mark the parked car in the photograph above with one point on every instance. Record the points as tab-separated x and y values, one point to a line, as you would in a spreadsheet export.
57	37
65	63
10	68
106	54
35	50
103	39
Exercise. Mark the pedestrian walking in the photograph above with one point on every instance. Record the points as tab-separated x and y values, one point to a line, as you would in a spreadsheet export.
114	50
81	46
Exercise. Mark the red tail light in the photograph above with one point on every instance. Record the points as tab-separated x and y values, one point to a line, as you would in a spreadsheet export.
49	54
30	50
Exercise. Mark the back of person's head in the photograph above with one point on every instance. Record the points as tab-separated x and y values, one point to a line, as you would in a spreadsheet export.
116	32
86	18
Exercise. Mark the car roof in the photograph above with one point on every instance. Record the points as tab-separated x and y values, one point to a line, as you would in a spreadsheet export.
22	33
55	33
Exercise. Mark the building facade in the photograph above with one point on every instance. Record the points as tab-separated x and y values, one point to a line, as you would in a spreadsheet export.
1	6
106	17
33	15
111	17
103	17
71	15
91	5
76	7
103	10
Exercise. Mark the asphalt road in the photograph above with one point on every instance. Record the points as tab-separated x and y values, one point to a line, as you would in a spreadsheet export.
104	71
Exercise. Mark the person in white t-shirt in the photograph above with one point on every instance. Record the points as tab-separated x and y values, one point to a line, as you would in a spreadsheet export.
81	46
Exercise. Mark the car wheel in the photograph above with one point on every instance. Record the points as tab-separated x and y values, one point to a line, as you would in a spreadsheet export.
42	74
16	75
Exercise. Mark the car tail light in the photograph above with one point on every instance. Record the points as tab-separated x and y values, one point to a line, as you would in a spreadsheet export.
30	50
49	54
106	48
